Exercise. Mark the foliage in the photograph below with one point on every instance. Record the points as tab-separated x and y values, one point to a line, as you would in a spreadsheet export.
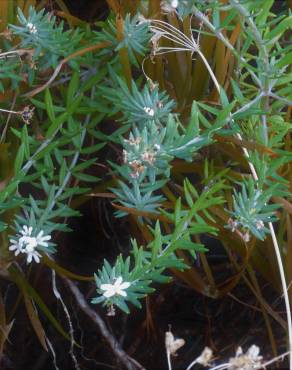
203	149
251	209
135	36
139	107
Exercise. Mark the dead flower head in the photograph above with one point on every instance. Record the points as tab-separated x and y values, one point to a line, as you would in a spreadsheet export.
233	224
246	237
137	168
27	114
171	344
161	29
133	141
148	157
260	225
205	357
246	361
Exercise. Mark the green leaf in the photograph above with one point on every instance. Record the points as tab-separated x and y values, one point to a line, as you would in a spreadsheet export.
84	165
283	26
19	158
56	124
87	178
72	88
49	106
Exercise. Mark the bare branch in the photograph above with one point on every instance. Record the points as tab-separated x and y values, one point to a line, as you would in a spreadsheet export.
128	362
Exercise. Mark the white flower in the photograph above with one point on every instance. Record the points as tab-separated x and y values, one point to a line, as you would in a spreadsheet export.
32	254
42	240
31	28
149	111
27	243
16	246
174	3
26	230
117	288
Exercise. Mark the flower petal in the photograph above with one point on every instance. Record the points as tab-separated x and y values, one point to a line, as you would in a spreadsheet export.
125	285
106	286
118	281
109	293
29	258
36	257
40	234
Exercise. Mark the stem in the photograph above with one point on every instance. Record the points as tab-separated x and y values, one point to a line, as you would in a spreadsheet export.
280	98
9	111
263	55
265	91
72	165
168	360
192	364
209	70
249	104
226	42
128	362
285	290
280	266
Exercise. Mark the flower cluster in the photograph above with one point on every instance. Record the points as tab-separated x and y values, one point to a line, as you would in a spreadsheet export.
117	288
27	243
149	111
31	28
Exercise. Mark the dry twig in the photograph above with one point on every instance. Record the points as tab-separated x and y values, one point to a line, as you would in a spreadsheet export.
127	361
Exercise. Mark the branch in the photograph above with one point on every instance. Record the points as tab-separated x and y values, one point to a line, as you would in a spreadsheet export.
226	42
128	362
57	70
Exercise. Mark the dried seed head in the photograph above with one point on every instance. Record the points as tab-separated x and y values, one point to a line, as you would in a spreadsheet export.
133	141
148	157
205	357
246	237
233	224
152	85
246	361
111	310
171	344
260	225
27	114
137	168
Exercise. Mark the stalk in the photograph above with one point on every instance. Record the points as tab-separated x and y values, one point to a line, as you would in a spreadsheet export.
162	29
264	92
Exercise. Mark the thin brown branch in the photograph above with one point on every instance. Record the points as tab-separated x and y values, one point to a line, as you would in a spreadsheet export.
57	70
128	362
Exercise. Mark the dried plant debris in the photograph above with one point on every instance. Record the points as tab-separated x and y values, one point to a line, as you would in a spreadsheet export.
250	360
172	344
246	361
